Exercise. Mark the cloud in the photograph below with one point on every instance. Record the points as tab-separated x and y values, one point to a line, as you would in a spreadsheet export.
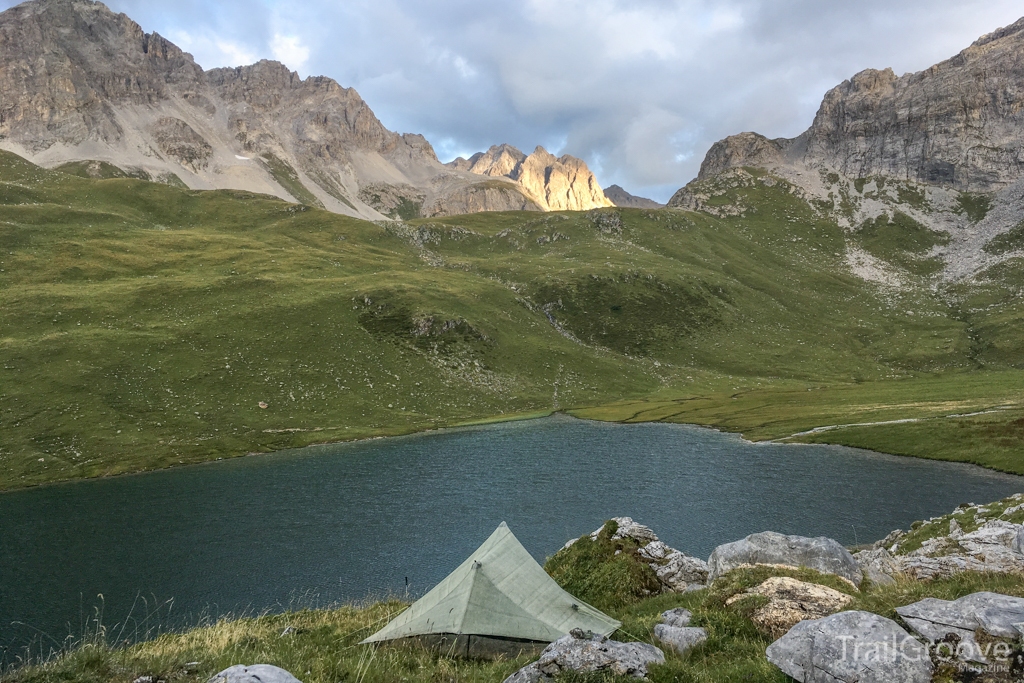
639	88
209	49
290	51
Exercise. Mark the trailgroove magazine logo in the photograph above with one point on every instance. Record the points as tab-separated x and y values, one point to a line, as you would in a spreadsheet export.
962	653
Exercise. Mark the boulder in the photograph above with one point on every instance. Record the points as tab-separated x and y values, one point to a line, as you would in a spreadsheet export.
586	653
791	601
957	621
878	565
995	535
682	639
851	647
680	616
256	673
822	554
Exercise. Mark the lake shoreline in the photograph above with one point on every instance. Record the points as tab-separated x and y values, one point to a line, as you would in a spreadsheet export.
579	413
366	519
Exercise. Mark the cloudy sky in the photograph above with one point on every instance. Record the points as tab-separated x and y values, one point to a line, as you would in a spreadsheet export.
638	88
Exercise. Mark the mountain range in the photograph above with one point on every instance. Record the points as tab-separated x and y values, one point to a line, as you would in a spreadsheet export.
80	83
943	147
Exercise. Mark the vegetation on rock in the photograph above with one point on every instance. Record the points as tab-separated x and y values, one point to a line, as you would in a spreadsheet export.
604	572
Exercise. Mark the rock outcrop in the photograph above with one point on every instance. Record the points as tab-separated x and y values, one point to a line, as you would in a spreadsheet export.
744	149
255	673
955	124
769	548
956	622
851	647
554	183
995	545
944	146
586	653
676	571
791	601
81	83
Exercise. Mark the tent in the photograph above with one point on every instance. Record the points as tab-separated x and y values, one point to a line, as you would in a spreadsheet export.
499	593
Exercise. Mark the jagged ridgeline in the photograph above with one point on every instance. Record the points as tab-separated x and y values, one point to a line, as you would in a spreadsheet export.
89	90
925	169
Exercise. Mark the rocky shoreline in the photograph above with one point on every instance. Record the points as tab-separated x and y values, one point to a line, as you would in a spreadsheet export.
817	640
941	602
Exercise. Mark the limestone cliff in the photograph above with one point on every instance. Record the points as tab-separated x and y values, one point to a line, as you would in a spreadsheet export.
958	124
79	83
554	183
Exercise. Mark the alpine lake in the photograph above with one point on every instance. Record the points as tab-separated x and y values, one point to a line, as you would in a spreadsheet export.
355	521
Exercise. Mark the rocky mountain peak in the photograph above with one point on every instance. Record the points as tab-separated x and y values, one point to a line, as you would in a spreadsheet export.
957	124
554	184
499	160
83	83
870	81
1000	33
743	149
620	197
943	147
541	155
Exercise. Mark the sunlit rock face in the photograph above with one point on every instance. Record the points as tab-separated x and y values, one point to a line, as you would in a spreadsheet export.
555	183
79	82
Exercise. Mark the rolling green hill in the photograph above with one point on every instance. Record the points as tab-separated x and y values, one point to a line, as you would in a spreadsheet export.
144	325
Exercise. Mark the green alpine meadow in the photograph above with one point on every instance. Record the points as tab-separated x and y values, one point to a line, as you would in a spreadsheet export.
145	326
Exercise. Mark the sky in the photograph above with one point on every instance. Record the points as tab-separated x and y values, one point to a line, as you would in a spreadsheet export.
639	89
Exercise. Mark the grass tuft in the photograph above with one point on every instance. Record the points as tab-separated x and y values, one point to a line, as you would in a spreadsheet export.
604	572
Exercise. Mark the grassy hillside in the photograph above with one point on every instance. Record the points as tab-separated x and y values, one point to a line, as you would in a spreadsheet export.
144	325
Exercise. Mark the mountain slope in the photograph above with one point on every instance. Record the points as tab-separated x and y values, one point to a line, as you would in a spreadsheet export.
151	325
943	147
957	124
620	197
81	83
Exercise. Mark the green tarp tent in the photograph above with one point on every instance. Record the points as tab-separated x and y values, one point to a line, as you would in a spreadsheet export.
499	592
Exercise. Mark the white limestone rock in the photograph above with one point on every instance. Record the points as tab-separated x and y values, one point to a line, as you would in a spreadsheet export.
682	639
851	647
791	601
577	652
998	615
255	673
680	616
769	548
